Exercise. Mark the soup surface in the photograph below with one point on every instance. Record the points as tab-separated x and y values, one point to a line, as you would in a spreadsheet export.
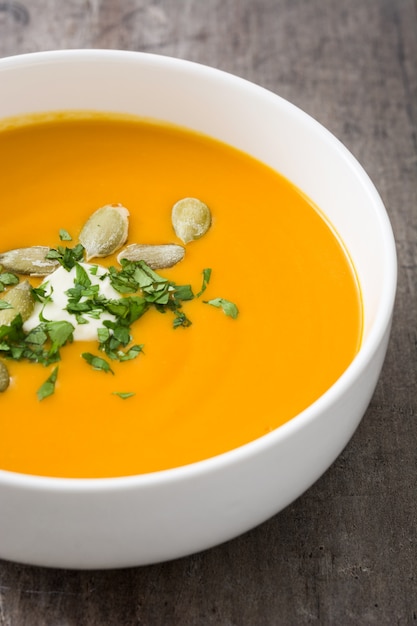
198	391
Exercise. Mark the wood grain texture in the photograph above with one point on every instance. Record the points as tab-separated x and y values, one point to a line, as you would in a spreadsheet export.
345	552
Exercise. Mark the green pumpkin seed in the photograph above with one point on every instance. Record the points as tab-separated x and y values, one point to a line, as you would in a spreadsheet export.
156	256
20	300
191	219
4	377
105	231
30	261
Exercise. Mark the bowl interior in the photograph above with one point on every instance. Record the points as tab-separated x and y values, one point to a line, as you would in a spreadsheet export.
233	111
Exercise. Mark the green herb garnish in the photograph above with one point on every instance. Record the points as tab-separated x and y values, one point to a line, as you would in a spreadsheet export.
124	394
48	387
140	289
7	279
64	235
228	307
97	362
206	280
67	257
40	345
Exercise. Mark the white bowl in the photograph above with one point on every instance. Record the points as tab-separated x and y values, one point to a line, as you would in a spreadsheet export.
107	523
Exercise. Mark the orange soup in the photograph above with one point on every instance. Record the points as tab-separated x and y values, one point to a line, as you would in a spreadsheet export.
196	391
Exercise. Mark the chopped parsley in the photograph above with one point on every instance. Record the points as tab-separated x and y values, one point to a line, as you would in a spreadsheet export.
124	394
97	362
7	279
228	307
40	345
206	280
140	289
64	235
67	257
48	387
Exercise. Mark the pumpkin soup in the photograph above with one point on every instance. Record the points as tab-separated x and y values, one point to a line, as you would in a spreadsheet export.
208	300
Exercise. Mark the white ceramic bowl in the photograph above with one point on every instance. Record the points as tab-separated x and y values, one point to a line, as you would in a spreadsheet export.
105	523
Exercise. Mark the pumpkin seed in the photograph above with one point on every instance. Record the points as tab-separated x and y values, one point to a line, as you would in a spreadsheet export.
105	231
30	261
4	377
191	219
21	301
156	256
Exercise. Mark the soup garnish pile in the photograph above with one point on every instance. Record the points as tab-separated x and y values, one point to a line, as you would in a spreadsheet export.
33	328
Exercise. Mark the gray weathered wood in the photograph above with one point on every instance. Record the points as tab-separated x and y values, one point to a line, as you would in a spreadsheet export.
345	552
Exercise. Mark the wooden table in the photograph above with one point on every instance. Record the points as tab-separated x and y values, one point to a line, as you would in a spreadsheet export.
344	553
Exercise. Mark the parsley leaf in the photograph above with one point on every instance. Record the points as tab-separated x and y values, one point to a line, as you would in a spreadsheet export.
181	320
183	292
128	309
64	235
40	293
59	333
97	362
206	280
37	336
48	387
7	279
130	354
67	257
124	394
81	276
228	307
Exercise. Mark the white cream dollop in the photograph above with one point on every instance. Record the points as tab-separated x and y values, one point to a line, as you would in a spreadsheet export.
60	281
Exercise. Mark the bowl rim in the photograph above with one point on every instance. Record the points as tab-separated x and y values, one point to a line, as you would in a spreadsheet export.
354	371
